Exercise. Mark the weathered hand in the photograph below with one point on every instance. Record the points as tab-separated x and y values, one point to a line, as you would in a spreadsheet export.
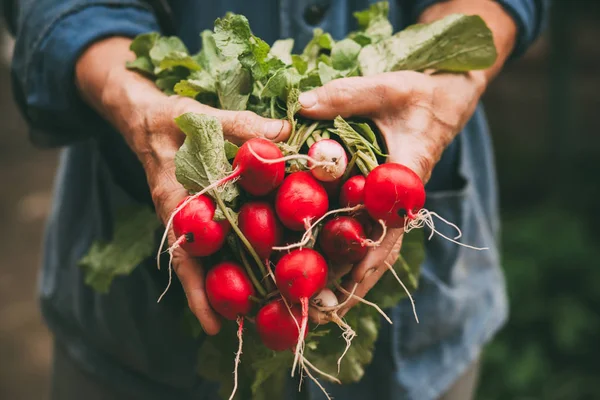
145	117
418	116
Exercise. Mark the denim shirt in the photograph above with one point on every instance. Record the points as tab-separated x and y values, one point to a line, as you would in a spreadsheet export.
125	337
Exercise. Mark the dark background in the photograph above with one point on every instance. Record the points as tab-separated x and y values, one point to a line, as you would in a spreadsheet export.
543	111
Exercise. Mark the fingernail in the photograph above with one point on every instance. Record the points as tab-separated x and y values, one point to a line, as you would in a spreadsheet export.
273	129
307	99
367	274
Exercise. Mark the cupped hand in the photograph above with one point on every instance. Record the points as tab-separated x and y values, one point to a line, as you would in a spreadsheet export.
418	116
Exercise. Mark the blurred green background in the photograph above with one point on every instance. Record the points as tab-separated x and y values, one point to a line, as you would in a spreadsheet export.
543	110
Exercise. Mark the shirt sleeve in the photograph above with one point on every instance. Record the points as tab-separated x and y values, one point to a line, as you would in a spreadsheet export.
50	36
530	16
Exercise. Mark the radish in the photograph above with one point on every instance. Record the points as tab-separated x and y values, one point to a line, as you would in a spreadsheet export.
327	302
343	240
393	192
277	329
332	153
332	188
353	191
300	275
395	195
229	291
196	231
257	177
299	200
258	222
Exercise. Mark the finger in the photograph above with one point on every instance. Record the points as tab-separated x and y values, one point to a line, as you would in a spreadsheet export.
377	255
354	96
191	276
318	317
241	126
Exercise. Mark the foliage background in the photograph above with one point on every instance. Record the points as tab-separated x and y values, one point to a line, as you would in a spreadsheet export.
543	111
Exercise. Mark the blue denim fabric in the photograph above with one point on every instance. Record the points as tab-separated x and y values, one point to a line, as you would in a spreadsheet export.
129	341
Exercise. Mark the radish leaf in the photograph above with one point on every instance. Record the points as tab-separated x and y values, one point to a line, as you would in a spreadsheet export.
201	160
132	242
344	55
234	85
455	43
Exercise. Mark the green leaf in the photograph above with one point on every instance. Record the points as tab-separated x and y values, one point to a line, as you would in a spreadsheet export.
235	39
141	64
167	80
344	54
320	42
199	82
374	23
310	81
164	46
281	83
282	49
178	59
299	63
233	85
455	43
143	43
210	57
132	242
388	292
270	375
201	160
230	150
327	73
366	131
356	143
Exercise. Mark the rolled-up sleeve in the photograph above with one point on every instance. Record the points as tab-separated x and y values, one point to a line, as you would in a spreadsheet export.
50	36
530	16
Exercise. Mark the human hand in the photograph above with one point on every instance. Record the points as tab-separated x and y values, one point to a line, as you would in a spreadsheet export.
145	117
418	116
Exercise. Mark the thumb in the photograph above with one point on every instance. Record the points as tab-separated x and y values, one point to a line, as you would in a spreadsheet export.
354	96
240	126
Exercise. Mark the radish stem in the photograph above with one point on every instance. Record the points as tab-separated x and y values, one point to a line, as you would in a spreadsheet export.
253	277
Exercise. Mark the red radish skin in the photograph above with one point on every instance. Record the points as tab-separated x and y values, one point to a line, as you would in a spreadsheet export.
228	289
300	274
258	222
353	191
393	192
342	240
300	199
256	177
276	327
195	229
328	151
332	188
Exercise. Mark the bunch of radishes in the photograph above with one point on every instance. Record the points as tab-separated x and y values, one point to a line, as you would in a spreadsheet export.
291	234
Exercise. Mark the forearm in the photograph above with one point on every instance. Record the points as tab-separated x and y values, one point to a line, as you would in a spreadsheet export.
501	24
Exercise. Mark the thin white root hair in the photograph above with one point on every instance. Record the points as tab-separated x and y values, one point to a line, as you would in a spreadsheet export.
375	306
315	380
307	235
299	353
372	243
240	322
412	301
314	163
318	371
348	334
425	218
170	277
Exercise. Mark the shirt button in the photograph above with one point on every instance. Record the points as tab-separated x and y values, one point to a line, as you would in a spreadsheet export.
315	13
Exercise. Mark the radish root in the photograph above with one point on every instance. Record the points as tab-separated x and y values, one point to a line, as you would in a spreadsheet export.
372	243
240	322
425	218
375	306
299	353
314	163
391	268
308	234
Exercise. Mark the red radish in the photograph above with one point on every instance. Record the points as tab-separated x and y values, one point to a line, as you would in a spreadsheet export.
332	188
393	192
331	152
299	200
343	240
229	289
195	229
276	327
353	191
258	222
257	177
300	275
